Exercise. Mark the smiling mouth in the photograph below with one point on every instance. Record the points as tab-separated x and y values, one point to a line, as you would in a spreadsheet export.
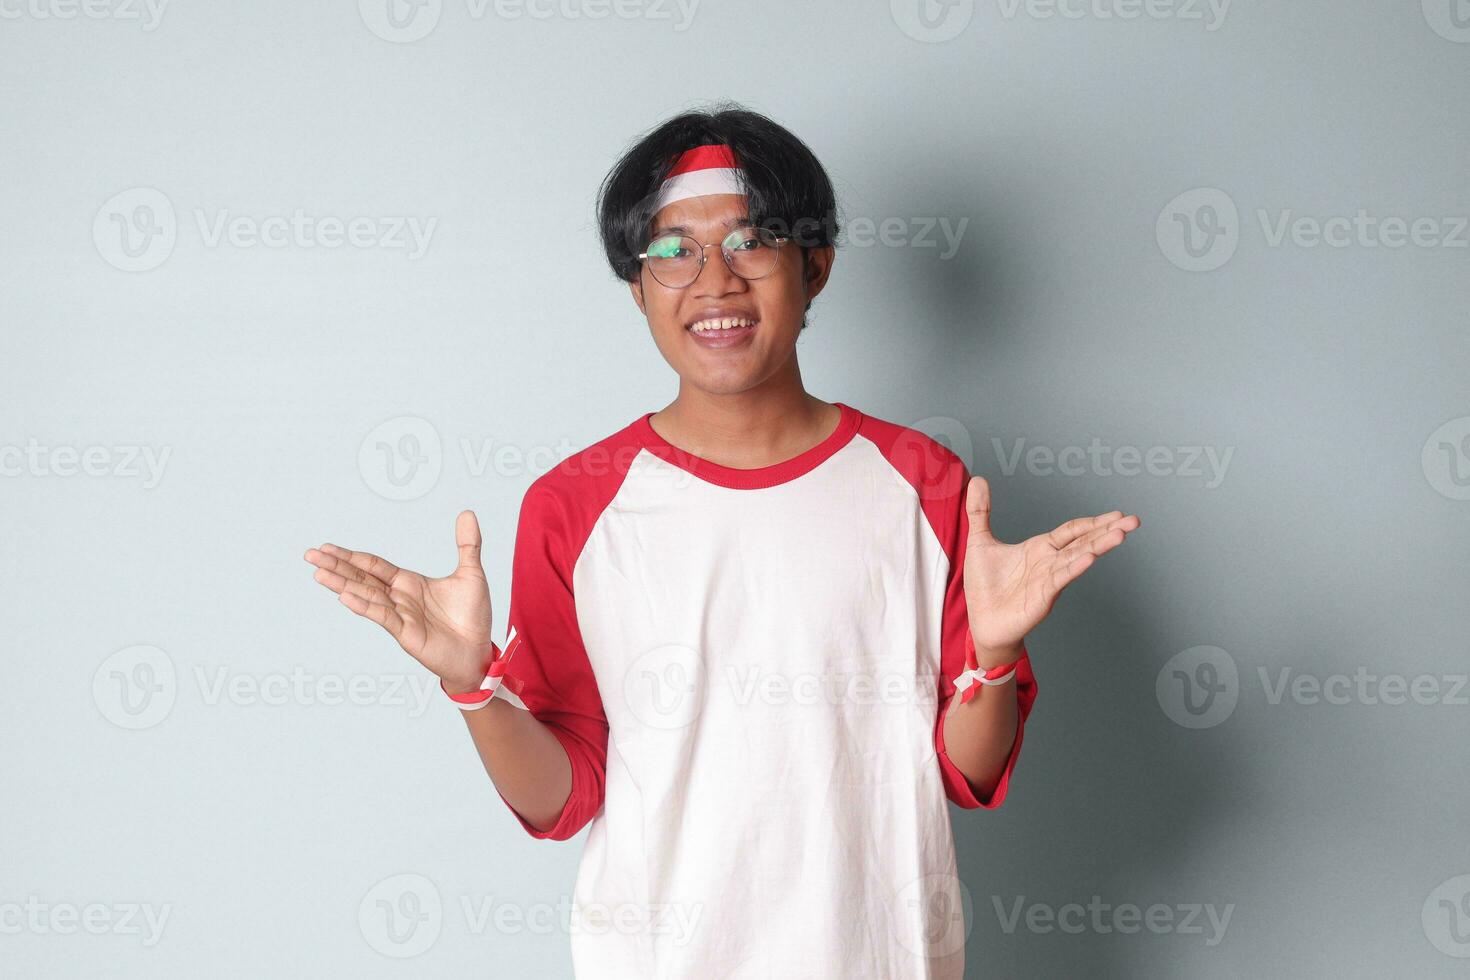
716	326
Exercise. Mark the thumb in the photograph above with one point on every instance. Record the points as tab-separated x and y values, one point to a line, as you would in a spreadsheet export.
977	506
467	537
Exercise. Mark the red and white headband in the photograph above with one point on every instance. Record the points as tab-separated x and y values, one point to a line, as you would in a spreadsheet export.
710	169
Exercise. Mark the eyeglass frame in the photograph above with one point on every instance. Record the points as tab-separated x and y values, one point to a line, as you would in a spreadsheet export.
779	239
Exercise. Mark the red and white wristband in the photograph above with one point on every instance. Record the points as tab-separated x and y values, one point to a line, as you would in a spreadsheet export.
968	684
494	677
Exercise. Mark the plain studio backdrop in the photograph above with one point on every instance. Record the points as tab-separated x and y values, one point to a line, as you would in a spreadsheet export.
281	273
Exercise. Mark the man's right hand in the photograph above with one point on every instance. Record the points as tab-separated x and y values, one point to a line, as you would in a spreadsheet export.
444	623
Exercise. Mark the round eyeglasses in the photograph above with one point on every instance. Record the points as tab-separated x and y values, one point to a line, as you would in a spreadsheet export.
676	260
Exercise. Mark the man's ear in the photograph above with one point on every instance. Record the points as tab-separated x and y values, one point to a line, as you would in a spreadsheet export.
635	286
818	268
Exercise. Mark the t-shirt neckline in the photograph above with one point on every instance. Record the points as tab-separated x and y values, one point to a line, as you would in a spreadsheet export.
760	477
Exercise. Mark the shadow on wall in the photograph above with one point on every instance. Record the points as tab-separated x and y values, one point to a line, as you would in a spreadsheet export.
1110	797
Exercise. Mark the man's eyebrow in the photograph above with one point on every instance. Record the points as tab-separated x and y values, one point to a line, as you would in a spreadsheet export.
730	223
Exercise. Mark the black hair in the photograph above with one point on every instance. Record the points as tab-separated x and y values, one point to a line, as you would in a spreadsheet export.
787	189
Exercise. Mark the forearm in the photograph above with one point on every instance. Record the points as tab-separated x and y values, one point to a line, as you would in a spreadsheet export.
524	759
979	734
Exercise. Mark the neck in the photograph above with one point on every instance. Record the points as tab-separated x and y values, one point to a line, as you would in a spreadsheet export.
770	423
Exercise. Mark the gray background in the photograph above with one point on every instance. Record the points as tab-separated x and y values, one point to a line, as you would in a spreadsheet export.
1336	540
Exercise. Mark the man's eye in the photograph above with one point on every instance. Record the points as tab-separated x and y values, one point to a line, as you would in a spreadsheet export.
667	248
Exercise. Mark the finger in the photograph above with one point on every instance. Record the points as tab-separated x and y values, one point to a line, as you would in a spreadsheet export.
379	568
1096	543
371	590
467	537
1065	534
376	611
1120	526
330	579
1067	572
343	570
977	506
1079	556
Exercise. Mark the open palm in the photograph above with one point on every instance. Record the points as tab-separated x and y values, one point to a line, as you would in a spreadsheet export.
444	623
1010	588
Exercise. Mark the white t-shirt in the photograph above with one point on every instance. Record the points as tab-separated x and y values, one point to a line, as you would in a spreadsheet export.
746	668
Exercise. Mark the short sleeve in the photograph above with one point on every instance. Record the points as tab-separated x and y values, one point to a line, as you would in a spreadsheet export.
548	673
957	650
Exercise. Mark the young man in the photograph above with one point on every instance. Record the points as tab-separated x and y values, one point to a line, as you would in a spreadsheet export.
756	639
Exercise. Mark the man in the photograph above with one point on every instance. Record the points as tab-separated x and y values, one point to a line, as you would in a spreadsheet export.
756	639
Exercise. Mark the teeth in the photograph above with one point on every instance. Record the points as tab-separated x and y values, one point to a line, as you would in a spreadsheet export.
722	323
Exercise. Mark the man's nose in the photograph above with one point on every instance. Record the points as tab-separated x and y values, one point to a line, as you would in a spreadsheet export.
716	278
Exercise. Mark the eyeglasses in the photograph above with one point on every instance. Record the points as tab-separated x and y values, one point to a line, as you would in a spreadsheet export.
676	260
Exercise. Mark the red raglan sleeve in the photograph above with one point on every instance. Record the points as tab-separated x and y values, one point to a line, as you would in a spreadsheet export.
548	673
957	650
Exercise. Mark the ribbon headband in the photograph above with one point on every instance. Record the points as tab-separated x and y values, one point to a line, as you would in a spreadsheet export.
710	169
